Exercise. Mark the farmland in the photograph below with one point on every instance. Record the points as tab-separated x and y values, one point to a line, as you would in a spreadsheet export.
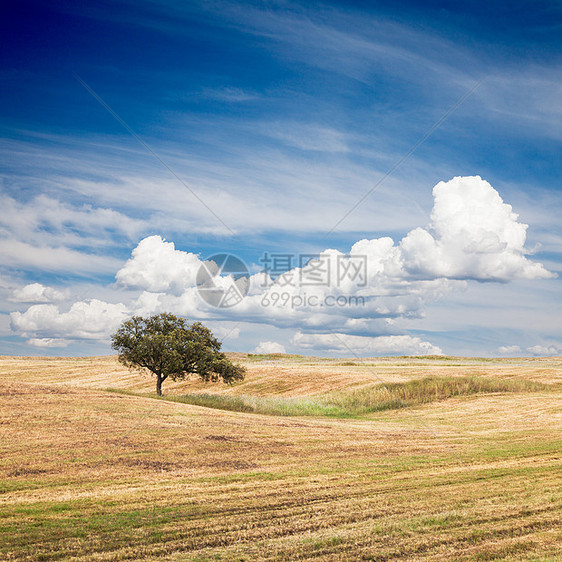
297	462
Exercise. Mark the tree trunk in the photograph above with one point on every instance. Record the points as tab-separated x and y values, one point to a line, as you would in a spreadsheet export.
159	385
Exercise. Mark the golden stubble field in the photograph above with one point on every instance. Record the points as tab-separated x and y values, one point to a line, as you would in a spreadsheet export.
88	474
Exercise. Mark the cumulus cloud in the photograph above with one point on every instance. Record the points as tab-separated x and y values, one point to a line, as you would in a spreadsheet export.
549	349
92	320
156	266
361	345
509	349
473	235
37	293
348	302
265	347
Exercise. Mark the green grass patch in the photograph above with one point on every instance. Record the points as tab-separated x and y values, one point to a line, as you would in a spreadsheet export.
273	406
271	356
361	401
391	396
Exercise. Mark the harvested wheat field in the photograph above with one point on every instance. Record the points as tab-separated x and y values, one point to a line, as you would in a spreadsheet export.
433	458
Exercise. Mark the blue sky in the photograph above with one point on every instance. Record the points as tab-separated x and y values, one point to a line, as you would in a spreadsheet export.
280	117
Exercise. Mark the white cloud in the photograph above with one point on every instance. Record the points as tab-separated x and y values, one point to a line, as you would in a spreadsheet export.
265	347
225	333
254	195
46	217
308	137
549	349
5	282
509	349
530	97
37	293
47	342
230	94
358	46
473	235
94	320
49	235
361	345
15	253
156	266
354	46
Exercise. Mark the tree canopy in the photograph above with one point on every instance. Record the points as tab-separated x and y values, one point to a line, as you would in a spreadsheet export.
169	347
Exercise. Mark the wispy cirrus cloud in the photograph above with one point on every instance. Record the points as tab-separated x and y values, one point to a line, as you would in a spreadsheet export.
21	255
44	233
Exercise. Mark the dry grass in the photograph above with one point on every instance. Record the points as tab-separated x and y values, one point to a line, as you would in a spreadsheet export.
279	375
91	475
359	402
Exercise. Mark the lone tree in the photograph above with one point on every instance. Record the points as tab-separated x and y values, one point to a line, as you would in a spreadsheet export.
170	347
